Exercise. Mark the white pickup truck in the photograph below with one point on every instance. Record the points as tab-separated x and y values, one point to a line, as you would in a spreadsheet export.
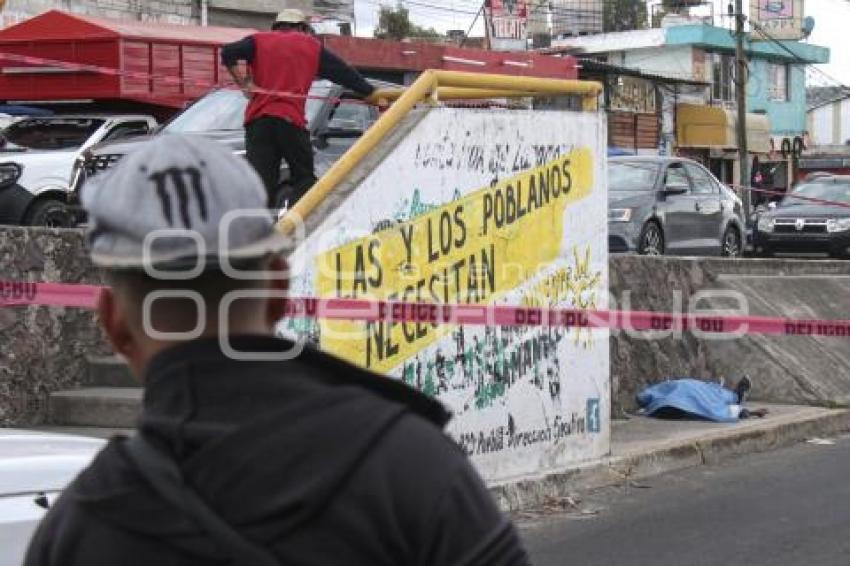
37	156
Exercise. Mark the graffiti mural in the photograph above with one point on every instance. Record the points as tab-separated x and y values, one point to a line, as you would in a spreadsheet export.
475	208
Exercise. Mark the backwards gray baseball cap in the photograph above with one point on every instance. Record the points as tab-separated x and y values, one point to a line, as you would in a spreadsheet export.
176	202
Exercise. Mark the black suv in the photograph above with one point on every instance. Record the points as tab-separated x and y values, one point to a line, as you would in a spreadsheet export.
336	118
818	223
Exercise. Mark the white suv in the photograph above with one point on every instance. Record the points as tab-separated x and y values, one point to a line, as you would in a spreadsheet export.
34	468
37	156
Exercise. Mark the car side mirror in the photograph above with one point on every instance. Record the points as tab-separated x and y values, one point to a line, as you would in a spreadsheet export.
672	189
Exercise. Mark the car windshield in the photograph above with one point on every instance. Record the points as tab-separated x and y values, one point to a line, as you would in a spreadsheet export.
52	133
631	176
224	110
836	192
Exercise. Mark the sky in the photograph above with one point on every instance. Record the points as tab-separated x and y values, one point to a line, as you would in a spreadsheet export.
831	29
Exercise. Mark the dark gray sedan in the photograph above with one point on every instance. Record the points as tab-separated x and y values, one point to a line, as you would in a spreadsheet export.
670	205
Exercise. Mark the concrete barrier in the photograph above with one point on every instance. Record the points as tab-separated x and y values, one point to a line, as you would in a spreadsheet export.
46	349
468	207
792	369
43	349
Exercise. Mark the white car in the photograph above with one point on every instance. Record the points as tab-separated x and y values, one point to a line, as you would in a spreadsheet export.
37	156
34	468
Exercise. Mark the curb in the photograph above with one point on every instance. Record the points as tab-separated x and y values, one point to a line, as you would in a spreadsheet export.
710	449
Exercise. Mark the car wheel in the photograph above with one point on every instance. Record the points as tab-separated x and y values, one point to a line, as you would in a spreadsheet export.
651	240
50	213
731	244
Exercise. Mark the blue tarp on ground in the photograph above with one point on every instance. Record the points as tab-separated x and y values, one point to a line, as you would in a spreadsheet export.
701	399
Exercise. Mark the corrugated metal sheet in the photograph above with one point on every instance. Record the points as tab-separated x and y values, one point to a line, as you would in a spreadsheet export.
182	61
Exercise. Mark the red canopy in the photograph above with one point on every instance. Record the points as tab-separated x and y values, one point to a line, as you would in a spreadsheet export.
161	64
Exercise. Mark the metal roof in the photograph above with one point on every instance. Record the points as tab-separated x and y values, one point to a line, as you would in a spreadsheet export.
609	69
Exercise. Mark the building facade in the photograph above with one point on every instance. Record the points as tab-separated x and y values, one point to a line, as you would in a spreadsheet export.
257	14
705	118
168	11
577	17
829	122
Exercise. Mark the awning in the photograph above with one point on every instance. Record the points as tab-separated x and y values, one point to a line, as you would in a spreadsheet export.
711	127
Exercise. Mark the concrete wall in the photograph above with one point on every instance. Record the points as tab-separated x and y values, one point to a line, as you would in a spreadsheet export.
260	13
791	369
474	206
822	125
170	11
830	124
787	118
43	349
667	61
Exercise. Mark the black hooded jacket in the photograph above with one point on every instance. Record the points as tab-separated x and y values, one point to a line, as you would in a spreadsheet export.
313	459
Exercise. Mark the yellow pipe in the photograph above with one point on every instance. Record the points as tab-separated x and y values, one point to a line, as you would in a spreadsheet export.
423	87
507	82
426	86
590	103
455	93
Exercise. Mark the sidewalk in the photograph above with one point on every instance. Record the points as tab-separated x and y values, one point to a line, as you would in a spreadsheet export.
642	447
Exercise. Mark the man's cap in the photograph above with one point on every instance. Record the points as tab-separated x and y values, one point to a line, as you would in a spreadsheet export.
175	202
291	16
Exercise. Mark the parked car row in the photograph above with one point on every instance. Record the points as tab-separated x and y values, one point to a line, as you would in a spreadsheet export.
671	205
657	205
335	119
813	219
37	155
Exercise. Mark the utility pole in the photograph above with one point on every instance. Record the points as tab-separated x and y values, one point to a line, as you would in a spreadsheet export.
741	95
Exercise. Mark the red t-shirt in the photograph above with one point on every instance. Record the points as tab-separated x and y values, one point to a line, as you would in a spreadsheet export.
283	62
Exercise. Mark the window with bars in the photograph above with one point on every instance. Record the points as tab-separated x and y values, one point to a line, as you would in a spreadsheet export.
722	76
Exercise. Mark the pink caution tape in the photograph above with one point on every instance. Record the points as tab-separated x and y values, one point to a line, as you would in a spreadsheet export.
21	293
85	296
164	79
792	195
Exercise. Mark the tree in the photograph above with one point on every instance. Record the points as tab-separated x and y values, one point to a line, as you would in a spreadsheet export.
394	23
624	15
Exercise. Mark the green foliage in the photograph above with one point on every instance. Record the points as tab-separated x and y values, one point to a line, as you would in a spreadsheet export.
624	15
394	23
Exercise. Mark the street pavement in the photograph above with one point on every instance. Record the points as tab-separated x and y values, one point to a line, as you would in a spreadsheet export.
783	508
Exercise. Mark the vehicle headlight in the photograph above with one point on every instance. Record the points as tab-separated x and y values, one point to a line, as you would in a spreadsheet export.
9	174
619	214
766	224
838	225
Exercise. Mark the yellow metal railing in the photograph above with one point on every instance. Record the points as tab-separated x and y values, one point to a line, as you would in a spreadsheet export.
433	85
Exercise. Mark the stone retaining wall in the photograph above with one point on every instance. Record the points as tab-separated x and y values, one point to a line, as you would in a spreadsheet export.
45	349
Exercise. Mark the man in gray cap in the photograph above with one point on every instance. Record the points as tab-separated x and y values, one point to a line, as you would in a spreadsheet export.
238	458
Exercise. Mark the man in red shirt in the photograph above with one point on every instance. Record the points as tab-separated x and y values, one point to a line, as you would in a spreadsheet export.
284	61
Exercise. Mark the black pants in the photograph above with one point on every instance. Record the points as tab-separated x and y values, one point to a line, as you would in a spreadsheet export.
269	140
